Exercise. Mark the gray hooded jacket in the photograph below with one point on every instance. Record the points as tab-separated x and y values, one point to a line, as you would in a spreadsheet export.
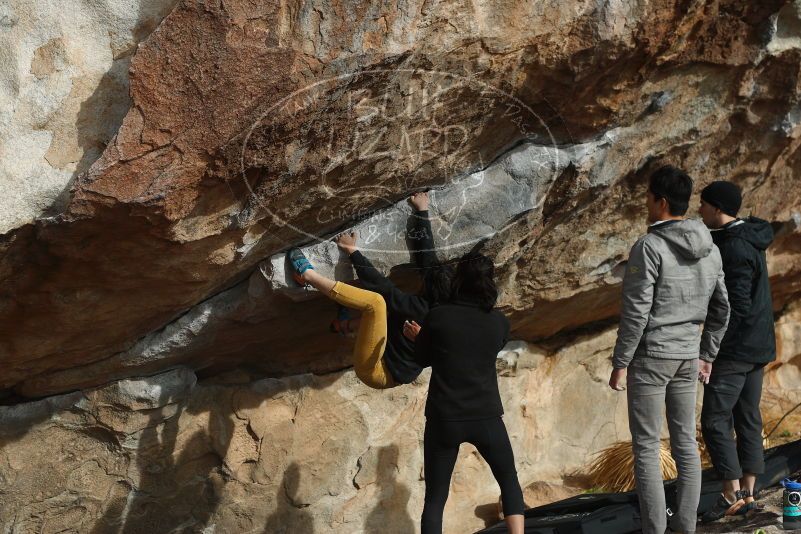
674	282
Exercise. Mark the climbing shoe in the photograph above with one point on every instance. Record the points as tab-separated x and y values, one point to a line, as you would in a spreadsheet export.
300	264
342	323
722	508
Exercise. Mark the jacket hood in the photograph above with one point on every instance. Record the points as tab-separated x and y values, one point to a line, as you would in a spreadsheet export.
756	231
690	238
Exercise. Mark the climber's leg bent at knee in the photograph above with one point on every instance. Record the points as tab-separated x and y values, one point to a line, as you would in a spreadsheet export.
371	339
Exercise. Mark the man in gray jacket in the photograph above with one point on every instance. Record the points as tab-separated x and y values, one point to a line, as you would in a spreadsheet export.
673	284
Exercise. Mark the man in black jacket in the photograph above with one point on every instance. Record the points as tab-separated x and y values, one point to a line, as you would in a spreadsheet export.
731	399
402	306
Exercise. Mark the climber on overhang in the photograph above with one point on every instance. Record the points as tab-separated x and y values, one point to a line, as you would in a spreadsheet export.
383	357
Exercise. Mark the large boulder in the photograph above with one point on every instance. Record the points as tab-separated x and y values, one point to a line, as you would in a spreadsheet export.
312	453
162	372
253	128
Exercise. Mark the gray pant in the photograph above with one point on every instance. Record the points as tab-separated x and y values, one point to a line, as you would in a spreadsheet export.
654	383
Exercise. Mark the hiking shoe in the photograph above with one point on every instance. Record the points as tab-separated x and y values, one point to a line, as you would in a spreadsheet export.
722	508
750	503
300	264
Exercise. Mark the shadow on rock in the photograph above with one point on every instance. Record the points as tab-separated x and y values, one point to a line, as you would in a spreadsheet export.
171	492
390	514
290	515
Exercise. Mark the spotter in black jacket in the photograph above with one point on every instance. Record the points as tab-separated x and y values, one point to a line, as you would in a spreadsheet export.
750	336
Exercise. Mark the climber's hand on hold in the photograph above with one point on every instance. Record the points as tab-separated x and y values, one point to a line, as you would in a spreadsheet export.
419	200
618	379
347	242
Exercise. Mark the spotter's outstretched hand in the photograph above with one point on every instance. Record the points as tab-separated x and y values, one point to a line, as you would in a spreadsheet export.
411	329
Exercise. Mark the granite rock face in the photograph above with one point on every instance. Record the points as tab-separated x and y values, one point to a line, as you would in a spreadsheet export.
254	128
63	93
299	454
309	453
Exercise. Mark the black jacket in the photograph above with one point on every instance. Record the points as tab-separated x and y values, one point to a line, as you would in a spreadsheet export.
461	341
750	336
399	351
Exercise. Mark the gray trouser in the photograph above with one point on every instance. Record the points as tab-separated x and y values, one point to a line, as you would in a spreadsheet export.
654	383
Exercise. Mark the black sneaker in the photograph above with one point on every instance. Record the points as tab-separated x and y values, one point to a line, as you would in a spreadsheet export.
722	508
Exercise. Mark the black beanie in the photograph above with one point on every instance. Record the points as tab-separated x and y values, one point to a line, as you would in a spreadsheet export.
723	195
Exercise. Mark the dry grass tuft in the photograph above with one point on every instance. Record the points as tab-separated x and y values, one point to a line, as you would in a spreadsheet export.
612	470
706	461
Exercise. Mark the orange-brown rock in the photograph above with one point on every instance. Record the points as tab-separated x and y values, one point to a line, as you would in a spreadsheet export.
254	127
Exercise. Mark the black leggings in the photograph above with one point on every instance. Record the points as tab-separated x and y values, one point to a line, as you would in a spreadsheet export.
441	446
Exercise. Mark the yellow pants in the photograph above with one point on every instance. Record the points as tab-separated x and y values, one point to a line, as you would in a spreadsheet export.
368	355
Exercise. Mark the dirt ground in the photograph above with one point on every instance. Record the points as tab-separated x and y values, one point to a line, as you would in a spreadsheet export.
768	520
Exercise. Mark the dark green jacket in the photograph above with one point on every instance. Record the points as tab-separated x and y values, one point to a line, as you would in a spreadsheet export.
750	336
